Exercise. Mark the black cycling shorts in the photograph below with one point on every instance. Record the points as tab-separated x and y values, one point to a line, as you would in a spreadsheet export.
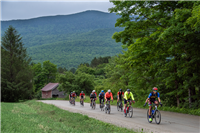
125	101
108	99
100	99
120	98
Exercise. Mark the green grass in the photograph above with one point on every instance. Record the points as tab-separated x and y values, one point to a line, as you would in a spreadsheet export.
37	117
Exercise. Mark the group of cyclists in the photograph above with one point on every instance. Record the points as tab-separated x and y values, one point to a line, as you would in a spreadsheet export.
127	96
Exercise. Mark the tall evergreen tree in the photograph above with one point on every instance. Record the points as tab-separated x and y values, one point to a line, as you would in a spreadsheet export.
16	74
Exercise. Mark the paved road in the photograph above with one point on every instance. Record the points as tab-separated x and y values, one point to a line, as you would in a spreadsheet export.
171	122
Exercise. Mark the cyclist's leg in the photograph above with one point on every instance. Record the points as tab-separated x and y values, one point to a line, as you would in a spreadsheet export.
82	98
117	99
129	100
150	108
156	103
125	102
90	101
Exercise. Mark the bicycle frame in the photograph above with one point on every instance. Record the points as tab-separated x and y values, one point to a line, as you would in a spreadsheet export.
155	108
128	104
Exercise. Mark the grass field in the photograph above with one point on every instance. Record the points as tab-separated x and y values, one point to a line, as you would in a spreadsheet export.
36	117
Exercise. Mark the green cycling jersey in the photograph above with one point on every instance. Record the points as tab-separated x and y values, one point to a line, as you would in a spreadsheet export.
127	96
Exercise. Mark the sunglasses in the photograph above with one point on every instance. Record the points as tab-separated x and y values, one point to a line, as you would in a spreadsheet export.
155	90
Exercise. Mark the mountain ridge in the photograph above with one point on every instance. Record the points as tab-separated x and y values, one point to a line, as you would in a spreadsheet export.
68	40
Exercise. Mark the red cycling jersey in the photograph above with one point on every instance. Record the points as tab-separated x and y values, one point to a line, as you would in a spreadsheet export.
122	93
108	95
95	94
82	94
73	94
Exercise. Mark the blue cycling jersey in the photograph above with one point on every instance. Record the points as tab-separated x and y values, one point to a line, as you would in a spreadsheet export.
153	96
101	95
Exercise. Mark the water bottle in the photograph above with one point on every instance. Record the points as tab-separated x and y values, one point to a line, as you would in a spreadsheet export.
152	112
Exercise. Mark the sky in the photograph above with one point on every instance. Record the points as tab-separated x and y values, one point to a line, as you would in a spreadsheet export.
26	9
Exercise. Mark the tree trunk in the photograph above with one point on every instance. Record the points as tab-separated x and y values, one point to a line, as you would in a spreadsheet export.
176	85
189	94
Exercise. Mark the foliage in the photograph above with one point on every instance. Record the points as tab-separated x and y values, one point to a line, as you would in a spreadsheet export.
163	49
43	74
96	61
62	70
16	74
76	82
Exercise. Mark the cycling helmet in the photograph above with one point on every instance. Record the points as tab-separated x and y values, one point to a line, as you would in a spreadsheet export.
128	90
73	91
155	89
109	90
81	91
102	90
93	90
120	89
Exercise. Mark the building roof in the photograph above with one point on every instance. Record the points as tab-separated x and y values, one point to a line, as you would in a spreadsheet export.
50	86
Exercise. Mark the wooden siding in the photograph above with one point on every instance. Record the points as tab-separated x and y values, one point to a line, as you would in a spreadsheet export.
57	93
47	94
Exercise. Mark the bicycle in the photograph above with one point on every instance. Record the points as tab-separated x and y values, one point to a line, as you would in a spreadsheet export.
73	101
129	109
154	114
107	108
120	105
82	102
102	105
93	103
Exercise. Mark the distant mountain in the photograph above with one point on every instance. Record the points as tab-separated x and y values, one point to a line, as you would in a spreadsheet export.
68	40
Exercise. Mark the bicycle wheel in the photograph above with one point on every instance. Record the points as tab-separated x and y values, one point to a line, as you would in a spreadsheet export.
148	116
94	104
121	105
157	117
130	112
117	106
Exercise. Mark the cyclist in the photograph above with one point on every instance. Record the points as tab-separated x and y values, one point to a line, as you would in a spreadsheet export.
70	95
74	95
92	96
95	93
101	96
128	95
82	95
152	99
108	95
120	94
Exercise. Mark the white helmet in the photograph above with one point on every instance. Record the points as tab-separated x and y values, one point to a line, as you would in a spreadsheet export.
109	90
93	90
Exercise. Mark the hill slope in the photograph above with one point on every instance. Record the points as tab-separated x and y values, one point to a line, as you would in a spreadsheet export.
68	40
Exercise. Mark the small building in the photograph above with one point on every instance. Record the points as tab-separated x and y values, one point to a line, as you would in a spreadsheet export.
50	90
